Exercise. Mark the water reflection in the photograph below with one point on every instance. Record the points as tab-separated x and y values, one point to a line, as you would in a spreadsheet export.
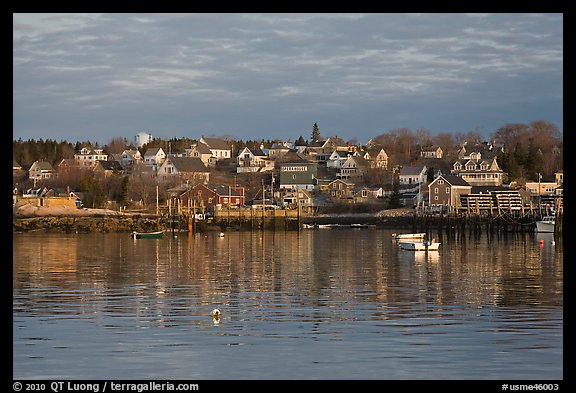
350	287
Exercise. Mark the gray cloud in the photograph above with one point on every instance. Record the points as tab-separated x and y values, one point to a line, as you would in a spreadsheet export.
96	76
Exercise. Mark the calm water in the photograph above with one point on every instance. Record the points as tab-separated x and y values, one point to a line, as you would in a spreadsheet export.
319	304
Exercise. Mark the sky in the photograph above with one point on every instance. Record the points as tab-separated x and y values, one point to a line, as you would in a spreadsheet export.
79	77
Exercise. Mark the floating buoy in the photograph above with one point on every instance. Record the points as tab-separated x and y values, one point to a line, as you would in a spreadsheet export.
215	316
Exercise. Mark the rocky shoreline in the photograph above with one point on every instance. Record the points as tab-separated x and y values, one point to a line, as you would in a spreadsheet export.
102	220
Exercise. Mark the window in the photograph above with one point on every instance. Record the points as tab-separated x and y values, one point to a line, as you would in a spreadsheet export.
440	181
435	190
447	190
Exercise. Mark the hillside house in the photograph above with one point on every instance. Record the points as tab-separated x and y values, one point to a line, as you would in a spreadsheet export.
433	152
154	157
353	169
413	175
477	171
253	160
87	157
219	147
296	172
445	191
201	151
187	169
216	195
41	170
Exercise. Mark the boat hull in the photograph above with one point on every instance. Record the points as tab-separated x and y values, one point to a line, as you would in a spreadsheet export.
147	235
409	236
419	246
544	227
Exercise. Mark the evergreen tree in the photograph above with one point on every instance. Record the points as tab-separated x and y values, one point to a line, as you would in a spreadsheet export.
315	133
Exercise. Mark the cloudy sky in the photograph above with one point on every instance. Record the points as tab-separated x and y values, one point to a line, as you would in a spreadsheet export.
94	77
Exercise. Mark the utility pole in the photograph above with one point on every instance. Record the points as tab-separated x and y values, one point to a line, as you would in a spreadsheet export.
539	195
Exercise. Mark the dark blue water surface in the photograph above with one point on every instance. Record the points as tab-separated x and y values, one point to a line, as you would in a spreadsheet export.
315	304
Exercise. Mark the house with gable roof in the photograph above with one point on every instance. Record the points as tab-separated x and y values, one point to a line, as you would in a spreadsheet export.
154	157
88	157
218	146
253	160
212	194
202	151
412	174
478	171
376	157
188	169
337	159
41	170
433	151
353	169
297	172
445	191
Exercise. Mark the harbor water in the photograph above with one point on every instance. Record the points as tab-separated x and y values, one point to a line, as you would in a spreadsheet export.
314	304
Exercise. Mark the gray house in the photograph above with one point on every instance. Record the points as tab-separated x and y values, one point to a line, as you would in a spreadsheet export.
297	173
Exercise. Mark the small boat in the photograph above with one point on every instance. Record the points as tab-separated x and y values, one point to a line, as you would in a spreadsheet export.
409	236
547	224
419	245
147	235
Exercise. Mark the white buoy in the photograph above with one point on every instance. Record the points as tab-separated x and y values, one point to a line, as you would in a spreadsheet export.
215	316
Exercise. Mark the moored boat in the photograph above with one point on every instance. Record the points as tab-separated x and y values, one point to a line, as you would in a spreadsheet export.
147	235
419	245
547	224
408	236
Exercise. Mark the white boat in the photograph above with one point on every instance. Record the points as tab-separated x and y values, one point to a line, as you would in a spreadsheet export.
547	224
409	236
419	245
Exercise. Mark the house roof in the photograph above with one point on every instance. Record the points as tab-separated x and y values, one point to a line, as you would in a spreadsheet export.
431	148
216	143
453	180
293	158
188	164
223	190
44	165
361	161
110	165
152	151
202	148
300	142
412	170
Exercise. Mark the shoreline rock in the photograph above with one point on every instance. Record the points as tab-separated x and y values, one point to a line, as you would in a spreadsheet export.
28	218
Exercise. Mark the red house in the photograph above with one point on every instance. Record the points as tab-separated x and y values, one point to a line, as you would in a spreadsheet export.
216	194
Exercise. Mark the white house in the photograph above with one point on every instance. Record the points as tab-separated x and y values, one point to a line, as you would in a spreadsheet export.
87	158
253	160
41	170
154	157
337	159
219	147
130	157
413	174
